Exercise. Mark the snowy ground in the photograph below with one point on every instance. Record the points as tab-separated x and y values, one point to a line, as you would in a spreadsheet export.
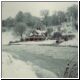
7	37
13	68
46	61
47	42
34	61
73	42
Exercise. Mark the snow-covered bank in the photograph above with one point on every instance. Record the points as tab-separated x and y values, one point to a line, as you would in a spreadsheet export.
73	42
36	42
13	68
7	37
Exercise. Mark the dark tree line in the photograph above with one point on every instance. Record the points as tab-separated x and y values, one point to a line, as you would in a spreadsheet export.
56	19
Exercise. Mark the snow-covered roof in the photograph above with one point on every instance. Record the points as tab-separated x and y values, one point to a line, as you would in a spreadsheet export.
40	32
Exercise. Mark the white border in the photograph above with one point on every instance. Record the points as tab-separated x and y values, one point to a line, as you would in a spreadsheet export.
78	39
40	0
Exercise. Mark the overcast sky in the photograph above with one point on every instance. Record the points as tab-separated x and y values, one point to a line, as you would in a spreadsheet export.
12	8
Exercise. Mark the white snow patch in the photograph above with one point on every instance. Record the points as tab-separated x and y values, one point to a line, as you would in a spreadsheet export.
7	37
73	42
12	68
37	42
44	72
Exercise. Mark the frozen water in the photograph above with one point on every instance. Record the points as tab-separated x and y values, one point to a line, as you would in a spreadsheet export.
46	61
